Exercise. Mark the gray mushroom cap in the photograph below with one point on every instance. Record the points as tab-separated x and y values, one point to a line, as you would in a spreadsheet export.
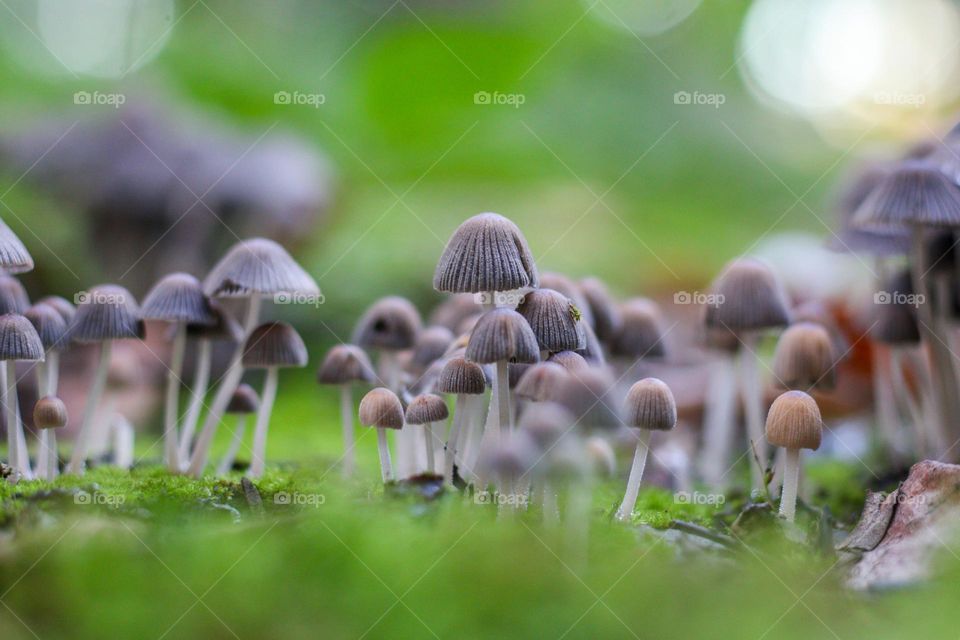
106	312
274	344
13	297
178	297
50	325
391	324
486	253
344	364
381	408
14	257
430	345
590	396
641	330
650	405
244	400
63	306
18	339
916	192
555	320
427	408
539	381
460	376
749	297
258	267
502	334
603	308
569	360
223	327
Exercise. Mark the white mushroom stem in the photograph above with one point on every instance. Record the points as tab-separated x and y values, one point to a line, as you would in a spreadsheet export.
346	414
82	443
719	419
226	463
386	466
502	387
625	512
52	374
751	387
171	442
43	456
224	392
428	442
453	438
922	427
263	423
791	478
123	436
10	416
201	378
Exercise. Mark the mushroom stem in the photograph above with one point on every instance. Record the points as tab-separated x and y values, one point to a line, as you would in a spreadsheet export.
226	463
122	441
453	438
386	466
171	444
751	388
263	423
43	457
921	426
428	442
551	510
719	421
625	512
52	374
470	436
346	413
10	416
82	443
791	478
224	392
201	378
504	416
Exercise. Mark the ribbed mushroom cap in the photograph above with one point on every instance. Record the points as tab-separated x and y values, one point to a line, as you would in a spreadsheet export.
244	400
430	345
566	286
892	242
50	413
13	297
555	320
391	324
486	253
345	363
546	422
896	320
460	376
63	306
274	344
539	381
106	312
641	331
50	325
258	267
427	408
381	408
804	358
178	297
650	405
603	308
916	192
590	396
223	327
569	360
454	310
502	334
794	422
18	339
14	257
748	298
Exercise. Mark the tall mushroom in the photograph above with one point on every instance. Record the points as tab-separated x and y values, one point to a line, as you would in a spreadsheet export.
244	402
344	366
18	342
106	313
427	410
793	423
49	414
178	299
466	381
270	346
52	328
251	270
381	409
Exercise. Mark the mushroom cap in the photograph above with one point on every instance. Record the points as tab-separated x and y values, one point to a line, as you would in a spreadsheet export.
916	192
641	331
892	242
804	358
486	253
513	457
749	297
460	376
258	266
590	396
18	339
603	308
515	371
50	413
592	351
244	400
794	422
391	324
50	325
555	320
13	297
569	360
106	312
539	381
381	408
63	306
502	334
178	297
566	286
454	310
430	345
546	422
896	320
222	327
14	257
427	408
274	344
346	363
650	405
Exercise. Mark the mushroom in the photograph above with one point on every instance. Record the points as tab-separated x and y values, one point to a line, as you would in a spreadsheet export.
546	423
649	407
569	360
793	423
381	409
63	306
244	402
467	382
537	384
18	342
344	366
252	269
555	321
49	414
429	347
804	358
427	409
14	257
569	288
52	328
106	313
178	299
270	346
454	310
603	308
13	297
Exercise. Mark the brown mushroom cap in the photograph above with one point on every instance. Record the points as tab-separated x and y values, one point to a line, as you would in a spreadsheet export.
555	320
502	334
345	363
650	405
381	408
391	324
748	298
178	297
427	408
274	344
804	358
106	312
460	376
258	266
50	413
244	400
18	339
794	422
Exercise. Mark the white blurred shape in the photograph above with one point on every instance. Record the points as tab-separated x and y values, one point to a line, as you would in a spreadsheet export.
809	270
644	17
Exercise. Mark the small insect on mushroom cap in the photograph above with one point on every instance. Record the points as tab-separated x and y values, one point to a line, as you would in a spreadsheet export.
346	363
502	334
555	320
381	408
567	287
50	413
460	376
794	422
244	400
804	358
427	408
650	405
178	297
747	297
391	324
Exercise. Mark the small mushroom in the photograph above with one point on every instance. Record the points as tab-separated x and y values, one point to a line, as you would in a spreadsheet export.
466	381
244	402
13	297
804	358
381	409
555	321
793	423
429	347
344	366
427	410
18	342
49	414
606	313
539	382
52	329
